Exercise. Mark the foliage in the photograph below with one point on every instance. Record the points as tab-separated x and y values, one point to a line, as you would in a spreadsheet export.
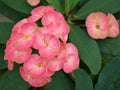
99	59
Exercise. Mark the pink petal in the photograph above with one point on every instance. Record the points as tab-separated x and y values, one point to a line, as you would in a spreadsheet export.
18	24
71	64
39	82
36	67
51	17
114	26
27	28
33	2
35	82
39	12
10	65
71	49
56	63
13	55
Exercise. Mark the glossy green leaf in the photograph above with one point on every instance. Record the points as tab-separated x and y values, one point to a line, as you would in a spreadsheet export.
41	88
109	6
88	49
55	4
2	72
11	13
60	81
43	3
20	6
119	22
109	78
5	31
82	2
70	4
11	80
3	63
110	45
117	15
82	80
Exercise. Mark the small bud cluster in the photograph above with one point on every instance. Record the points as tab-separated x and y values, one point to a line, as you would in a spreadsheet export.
100	26
50	39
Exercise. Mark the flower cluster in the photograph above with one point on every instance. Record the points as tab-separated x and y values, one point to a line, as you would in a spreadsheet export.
100	26
50	39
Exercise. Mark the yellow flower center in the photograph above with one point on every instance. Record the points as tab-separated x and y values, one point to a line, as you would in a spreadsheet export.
39	65
46	42
98	26
27	37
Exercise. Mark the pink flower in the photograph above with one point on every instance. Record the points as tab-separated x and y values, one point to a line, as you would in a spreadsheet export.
48	45
21	42
39	12
35	82
56	63
36	66
14	55
33	2
97	25
52	18
22	37
113	26
72	58
27	28
56	24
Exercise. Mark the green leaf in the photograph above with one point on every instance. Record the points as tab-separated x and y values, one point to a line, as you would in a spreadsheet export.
3	64
41	88
88	49
119	22
2	72
82	2
117	15
109	6
56	5
20	6
109	78
11	80
82	80
110	45
60	81
11	13
43	3
5	30
69	5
